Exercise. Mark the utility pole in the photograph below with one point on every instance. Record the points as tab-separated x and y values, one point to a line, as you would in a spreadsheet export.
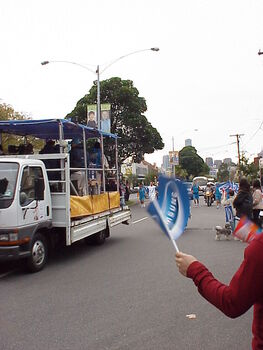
238	151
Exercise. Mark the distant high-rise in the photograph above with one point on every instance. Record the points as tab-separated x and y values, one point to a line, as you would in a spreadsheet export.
227	161
166	162
188	142
218	163
209	161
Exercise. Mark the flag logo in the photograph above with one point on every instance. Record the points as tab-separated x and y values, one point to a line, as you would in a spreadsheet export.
172	209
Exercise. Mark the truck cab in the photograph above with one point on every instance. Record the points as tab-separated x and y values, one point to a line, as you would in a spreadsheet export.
25	205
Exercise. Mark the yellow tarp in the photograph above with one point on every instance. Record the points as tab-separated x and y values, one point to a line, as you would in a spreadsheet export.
114	199
80	206
100	203
93	204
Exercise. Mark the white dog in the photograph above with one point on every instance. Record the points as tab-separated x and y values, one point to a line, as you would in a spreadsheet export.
226	231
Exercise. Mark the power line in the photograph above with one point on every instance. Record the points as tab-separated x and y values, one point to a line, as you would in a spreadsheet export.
259	128
221	146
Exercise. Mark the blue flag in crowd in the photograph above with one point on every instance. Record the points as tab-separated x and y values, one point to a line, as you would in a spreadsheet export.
172	208
225	186
229	213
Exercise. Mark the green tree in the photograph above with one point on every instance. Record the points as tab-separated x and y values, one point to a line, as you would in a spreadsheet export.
136	134
7	112
223	173
248	170
132	179
180	172
151	177
192	162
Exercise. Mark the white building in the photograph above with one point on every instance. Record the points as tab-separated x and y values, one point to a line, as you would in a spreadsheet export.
166	163
188	142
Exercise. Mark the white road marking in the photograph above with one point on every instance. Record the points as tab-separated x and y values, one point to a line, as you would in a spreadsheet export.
136	222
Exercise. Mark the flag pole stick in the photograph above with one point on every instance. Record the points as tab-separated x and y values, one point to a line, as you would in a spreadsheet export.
175	246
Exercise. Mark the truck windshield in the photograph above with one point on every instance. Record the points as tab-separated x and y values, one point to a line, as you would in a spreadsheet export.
8	175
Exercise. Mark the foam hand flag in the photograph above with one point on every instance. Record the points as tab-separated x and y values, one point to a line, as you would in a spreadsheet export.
172	208
246	230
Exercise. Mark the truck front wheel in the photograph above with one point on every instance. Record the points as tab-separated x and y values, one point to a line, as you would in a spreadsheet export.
38	258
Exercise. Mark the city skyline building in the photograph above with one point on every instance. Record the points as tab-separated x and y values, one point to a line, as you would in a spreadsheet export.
188	142
209	161
165	164
218	163
227	161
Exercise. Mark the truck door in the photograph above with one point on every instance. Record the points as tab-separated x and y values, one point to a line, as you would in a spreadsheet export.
30	210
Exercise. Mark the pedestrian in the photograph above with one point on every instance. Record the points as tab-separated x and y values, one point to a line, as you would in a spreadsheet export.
152	191
142	192
218	196
195	190
227	201
244	290
122	194
127	191
230	212
257	202
243	202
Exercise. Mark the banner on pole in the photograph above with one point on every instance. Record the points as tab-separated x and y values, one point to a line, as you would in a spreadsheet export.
92	120
105	121
174	157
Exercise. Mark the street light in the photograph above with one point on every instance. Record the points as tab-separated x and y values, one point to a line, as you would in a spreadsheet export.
98	72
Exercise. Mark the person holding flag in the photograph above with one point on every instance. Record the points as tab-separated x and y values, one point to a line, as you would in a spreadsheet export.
230	212
245	288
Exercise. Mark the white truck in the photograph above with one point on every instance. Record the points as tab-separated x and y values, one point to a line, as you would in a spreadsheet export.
36	212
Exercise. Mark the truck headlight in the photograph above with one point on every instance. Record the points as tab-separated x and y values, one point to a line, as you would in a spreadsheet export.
4	238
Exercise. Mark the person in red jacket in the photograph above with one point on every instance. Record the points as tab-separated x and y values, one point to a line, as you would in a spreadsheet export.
245	288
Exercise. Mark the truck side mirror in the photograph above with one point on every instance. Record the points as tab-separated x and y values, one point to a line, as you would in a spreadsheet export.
39	188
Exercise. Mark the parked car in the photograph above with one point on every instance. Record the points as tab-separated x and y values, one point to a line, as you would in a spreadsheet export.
189	189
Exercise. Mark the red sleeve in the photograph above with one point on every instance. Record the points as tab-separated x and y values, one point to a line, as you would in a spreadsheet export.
244	290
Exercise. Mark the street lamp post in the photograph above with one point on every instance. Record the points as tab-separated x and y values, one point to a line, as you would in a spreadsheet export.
98	72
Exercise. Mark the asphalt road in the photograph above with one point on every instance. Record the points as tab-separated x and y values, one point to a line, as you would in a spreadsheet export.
126	294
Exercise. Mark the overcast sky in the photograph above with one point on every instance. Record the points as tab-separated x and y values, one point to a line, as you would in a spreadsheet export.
206	76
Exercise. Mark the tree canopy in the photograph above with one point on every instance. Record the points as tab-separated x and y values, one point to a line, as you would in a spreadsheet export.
248	170
136	134
223	173
192	162
7	112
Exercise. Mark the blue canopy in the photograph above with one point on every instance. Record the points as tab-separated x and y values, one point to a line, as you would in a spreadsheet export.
50	129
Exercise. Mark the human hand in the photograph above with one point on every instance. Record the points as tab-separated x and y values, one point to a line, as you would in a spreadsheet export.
183	261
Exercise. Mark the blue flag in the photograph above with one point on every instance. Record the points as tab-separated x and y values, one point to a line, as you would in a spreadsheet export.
172	208
229	213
